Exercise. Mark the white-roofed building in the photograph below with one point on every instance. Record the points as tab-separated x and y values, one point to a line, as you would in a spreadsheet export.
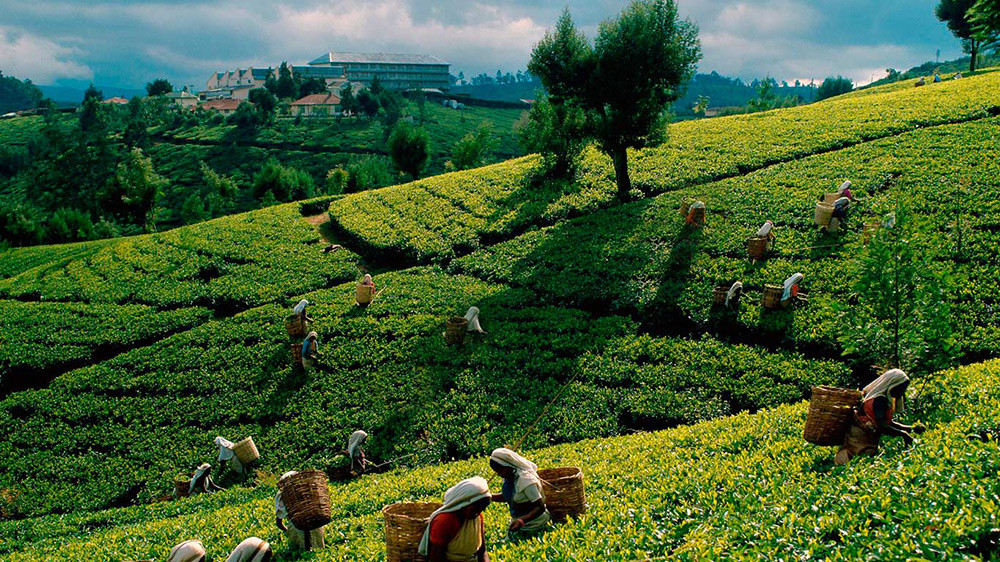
394	71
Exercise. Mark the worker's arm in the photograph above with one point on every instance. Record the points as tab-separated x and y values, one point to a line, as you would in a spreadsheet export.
280	523
880	408
498	498
537	509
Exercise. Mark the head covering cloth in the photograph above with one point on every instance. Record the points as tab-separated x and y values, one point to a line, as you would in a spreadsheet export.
187	551
299	308
795	279
884	385
844	187
355	441
765	229
252	549
733	291
459	496
526	471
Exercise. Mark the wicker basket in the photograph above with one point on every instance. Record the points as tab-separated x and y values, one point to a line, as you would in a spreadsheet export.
757	247
246	451
824	213
364	294
182	486
563	489
719	295
772	296
296	326
830	413
455	330
829	198
307	498
685	207
698	216
296	353
340	473
404	528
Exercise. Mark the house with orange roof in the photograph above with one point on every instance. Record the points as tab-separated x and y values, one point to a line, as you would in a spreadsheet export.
223	106
317	105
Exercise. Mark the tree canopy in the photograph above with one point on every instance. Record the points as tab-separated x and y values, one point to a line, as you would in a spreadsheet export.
409	148
834	87
159	87
16	95
969	20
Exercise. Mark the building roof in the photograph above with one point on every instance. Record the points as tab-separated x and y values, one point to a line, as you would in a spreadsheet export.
318	71
260	73
221	105
116	100
318	99
181	95
385	58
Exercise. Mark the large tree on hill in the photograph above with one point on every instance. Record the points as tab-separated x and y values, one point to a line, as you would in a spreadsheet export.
985	19
626	81
834	87
409	148
159	87
958	14
16	95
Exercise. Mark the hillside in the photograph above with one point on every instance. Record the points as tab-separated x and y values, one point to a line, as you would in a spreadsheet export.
610	301
742	487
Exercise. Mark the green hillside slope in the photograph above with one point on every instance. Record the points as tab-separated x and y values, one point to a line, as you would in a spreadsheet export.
611	301
742	487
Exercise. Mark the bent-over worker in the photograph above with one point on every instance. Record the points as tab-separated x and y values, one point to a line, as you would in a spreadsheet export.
765	229
845	190
692	211
300	309
734	293
840	207
310	351
522	491
456	532
227	455
472	315
356	451
367	281
251	550
873	417
187	551
791	289
315	539
920	82
202	481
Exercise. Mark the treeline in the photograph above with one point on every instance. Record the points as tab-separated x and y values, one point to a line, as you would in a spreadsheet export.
16	95
499	79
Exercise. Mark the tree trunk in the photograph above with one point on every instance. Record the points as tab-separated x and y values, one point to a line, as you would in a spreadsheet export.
975	52
620	158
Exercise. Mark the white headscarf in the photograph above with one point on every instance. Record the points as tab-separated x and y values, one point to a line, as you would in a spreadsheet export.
526	471
280	511
472	315
844	187
765	229
737	287
301	306
461	495
883	385
250	550
225	448
793	280
698	205
187	551
842	202
356	440
202	469
367	280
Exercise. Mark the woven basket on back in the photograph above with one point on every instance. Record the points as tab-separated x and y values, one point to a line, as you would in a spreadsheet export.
182	486
757	247
563	489
296	353
455	330
307	499
685	207
829	198
830	413
339	473
296	326
772	296
246	451
824	213
719	295
698	216
364	294
404	528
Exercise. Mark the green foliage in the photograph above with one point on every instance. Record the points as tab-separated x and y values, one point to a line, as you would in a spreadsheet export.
408	147
130	196
159	87
834	87
285	184
16	95
92	93
557	132
474	149
266	104
69	225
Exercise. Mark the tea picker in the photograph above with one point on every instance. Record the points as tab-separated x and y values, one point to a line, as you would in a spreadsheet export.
201	481
521	491
251	550
310	351
187	551
365	291
303	540
472	317
356	452
790	290
456	531
873	417
227	456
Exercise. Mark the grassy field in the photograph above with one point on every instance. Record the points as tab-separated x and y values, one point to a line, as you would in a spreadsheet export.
609	301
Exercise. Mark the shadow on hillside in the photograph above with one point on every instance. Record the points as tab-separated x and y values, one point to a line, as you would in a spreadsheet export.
664	314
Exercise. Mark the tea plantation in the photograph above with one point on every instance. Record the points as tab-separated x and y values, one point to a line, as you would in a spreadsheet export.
124	358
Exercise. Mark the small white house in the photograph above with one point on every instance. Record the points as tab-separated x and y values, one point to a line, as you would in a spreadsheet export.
317	105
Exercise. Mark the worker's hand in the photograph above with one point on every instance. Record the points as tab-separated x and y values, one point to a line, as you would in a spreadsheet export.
516	525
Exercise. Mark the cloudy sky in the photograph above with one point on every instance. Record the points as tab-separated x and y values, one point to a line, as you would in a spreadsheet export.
127	43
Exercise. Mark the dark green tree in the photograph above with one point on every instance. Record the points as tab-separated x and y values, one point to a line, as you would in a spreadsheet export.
92	93
312	86
556	131
985	19
282	183
409	148
159	87
957	14
136	133
626	80
16	95
93	122
266	104
69	225
367	103
834	87
285	86
348	102
474	149
132	193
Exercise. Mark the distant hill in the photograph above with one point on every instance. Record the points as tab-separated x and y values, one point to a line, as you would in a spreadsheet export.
74	94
